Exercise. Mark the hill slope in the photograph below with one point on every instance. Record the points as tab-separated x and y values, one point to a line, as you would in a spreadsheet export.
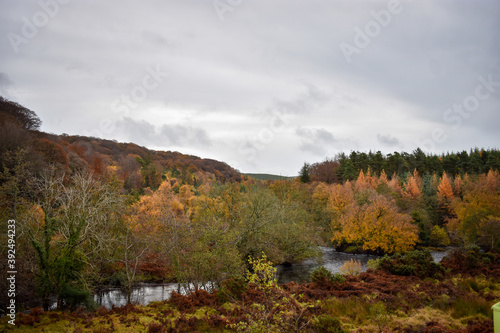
135	166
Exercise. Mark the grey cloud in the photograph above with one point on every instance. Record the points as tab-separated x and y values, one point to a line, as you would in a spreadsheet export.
312	99
157	39
388	140
5	83
315	140
143	132
265	58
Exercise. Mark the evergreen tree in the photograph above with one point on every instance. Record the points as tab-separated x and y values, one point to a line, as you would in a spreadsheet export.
304	173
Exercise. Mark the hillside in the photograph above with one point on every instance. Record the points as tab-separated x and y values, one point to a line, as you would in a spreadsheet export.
135	166
265	176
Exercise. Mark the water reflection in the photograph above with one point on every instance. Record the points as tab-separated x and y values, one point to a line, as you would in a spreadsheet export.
143	294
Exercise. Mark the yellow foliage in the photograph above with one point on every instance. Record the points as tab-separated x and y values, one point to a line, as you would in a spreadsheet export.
375	225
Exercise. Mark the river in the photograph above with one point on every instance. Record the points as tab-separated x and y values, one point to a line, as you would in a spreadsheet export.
299	272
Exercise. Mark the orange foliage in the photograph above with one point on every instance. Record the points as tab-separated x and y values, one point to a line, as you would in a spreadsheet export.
412	189
394	184
341	198
383	178
152	210
445	191
362	182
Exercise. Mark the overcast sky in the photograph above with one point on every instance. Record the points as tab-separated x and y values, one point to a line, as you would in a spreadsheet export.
263	85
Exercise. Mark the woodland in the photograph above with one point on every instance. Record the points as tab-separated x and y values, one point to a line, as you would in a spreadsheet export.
93	213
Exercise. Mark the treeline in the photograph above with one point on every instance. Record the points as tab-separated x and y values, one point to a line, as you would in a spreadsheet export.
345	167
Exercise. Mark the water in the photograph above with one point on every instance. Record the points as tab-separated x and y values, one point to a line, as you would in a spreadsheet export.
333	261
143	294
299	272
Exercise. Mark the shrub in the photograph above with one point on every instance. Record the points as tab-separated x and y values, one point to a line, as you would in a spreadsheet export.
232	288
263	273
373	263
439	237
414	263
467	259
321	275
351	267
156	328
467	307
327	324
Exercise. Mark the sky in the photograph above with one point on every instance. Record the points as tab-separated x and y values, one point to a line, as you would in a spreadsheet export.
263	85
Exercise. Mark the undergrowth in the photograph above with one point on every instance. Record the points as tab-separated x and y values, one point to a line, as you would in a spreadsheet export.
373	301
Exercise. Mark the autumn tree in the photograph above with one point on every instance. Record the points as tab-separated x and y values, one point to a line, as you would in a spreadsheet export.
445	196
375	225
18	114
77	229
326	171
159	219
479	208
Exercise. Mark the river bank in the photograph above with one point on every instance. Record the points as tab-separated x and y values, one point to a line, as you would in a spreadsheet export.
458	299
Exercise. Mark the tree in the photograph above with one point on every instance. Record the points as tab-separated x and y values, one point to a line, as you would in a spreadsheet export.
480	203
445	190
160	220
445	195
439	237
78	225
304	173
325	171
412	189
376	225
18	114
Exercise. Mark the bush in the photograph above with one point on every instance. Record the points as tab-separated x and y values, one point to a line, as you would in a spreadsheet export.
73	297
351	267
467	260
413	263
156	328
373	264
321	275
467	307
327	324
439	237
232	289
